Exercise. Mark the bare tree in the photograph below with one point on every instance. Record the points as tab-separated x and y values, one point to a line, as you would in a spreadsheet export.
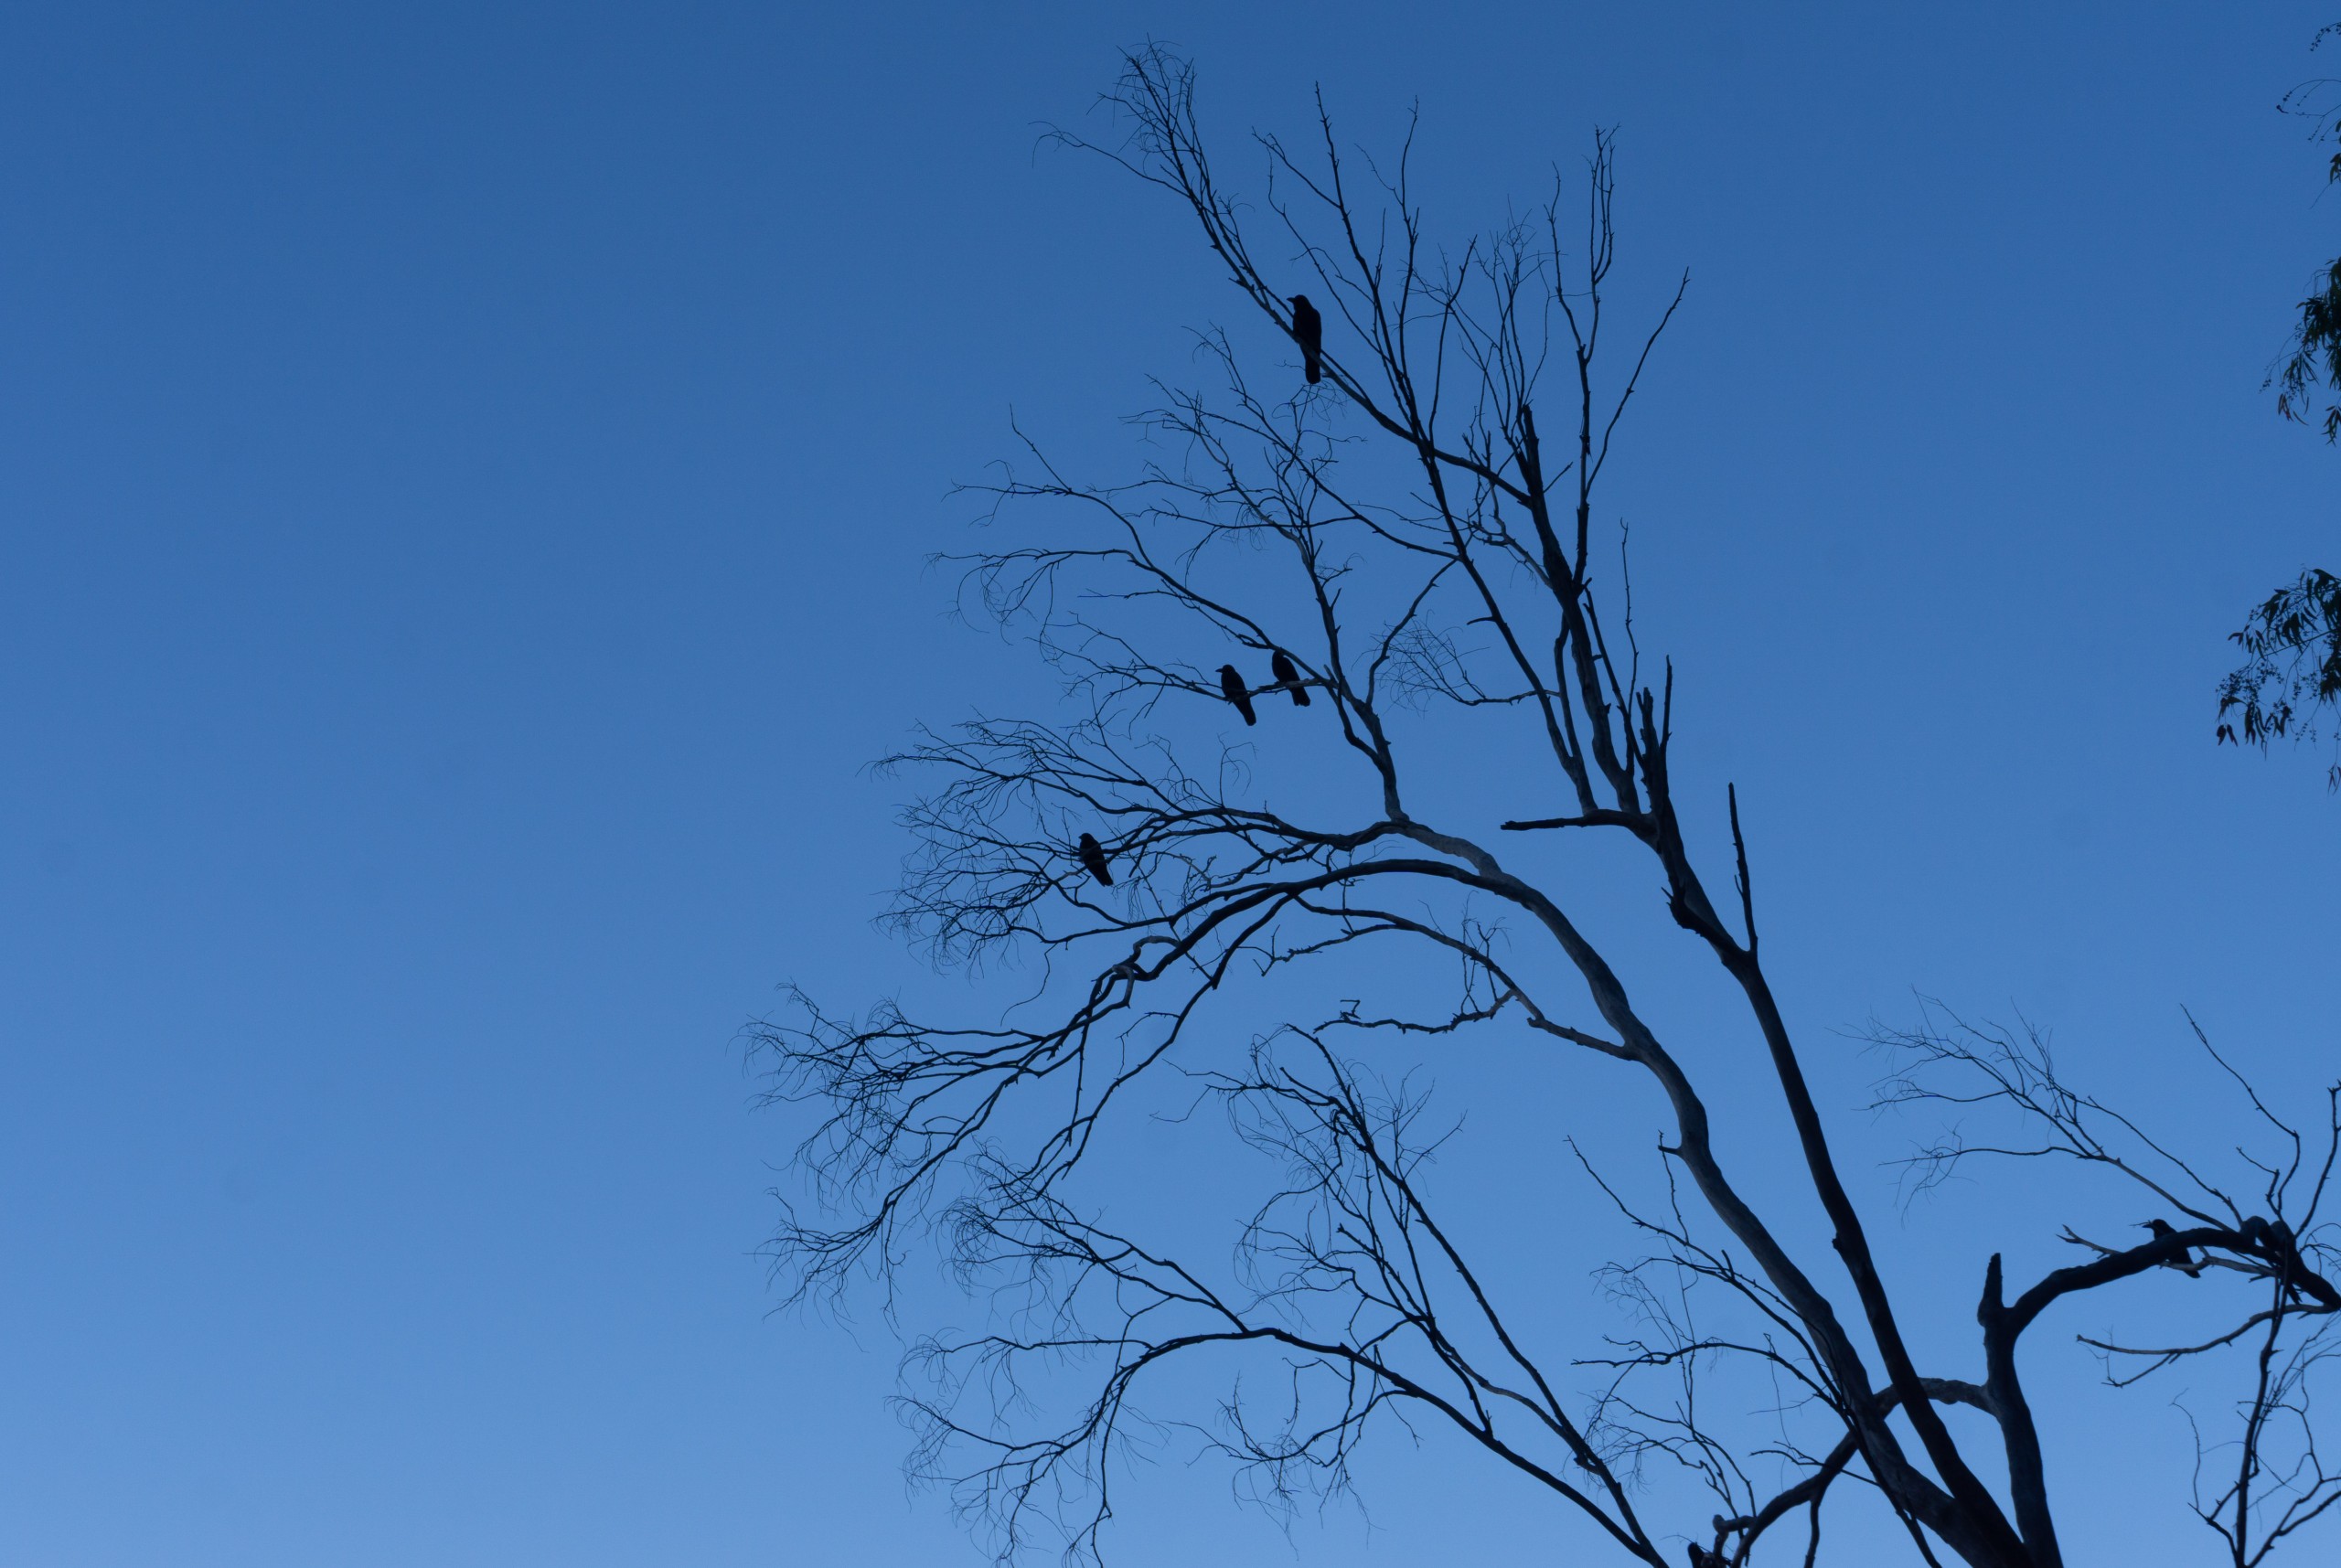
1396	547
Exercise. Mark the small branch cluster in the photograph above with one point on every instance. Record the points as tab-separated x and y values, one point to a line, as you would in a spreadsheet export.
2268	1479
2292	669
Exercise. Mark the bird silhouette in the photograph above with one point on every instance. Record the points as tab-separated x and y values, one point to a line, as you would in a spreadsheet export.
1093	856
1309	331
1231	686
2185	1262
1288	678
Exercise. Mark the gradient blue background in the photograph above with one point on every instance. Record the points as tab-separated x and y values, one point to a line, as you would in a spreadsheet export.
464	474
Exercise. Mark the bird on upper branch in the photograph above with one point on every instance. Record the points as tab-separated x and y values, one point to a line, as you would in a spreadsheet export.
1288	678
2185	1262
1093	857
1309	331
1231	686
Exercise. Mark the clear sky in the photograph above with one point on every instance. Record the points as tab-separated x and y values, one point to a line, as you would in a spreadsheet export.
464	476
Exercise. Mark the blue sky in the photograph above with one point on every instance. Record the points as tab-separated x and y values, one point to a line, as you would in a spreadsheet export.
465	478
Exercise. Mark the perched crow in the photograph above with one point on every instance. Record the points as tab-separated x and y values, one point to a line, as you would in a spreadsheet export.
1093	856
1309	331
2185	1263
1288	678
1231	686
2272	1240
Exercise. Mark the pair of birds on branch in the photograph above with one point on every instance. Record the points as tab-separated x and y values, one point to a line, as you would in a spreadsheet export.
1233	687
2264	1235
2274	1235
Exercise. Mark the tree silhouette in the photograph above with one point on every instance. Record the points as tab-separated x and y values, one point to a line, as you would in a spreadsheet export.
2291	667
2312	363
2291	675
1406	530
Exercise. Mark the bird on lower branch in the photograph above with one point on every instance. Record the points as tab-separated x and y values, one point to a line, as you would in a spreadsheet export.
1093	857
